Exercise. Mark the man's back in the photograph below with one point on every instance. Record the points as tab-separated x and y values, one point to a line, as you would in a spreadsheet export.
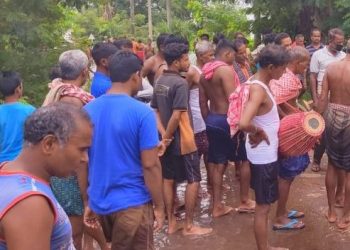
219	88
338	76
12	118
123	127
170	93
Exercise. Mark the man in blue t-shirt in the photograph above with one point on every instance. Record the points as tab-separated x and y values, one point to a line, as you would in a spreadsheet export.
101	82
124	170
12	116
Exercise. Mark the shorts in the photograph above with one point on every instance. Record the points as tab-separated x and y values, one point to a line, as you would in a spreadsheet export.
264	181
201	143
131	228
181	167
67	192
291	167
223	148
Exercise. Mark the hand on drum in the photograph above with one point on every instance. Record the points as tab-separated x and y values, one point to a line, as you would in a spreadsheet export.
256	138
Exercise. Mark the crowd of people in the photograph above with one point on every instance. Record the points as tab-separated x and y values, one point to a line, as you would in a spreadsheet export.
104	164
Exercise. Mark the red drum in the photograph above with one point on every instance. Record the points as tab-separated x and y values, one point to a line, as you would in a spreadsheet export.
299	133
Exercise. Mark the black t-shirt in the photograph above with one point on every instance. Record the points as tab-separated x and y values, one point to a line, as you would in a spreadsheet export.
170	93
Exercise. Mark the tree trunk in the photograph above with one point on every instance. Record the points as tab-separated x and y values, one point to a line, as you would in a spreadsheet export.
132	16
150	25
168	13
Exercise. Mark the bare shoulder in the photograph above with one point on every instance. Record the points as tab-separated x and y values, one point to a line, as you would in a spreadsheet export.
256	89
224	70
29	210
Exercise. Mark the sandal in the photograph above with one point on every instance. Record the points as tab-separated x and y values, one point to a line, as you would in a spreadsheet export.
292	225
294	214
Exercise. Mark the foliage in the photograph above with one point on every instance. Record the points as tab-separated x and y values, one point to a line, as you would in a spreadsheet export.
32	31
299	16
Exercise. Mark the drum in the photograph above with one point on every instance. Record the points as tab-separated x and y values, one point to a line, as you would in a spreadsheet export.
299	132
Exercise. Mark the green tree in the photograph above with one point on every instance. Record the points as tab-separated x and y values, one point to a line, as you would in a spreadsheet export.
30	41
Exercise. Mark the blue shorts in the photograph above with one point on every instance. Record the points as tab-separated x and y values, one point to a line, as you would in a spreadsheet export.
264	181
293	166
223	148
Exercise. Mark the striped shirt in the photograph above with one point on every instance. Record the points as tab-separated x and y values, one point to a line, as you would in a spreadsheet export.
312	49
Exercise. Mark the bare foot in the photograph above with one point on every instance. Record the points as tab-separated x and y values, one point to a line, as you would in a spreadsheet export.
196	230
331	216
174	227
316	167
343	223
246	207
221	210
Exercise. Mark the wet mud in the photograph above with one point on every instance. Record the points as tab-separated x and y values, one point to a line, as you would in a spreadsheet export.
235	231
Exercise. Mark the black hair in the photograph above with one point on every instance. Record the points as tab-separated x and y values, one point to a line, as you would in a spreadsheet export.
58	119
273	54
123	44
161	39
237	44
280	36
9	81
103	50
315	29
224	44
55	72
218	37
174	51
175	39
269	38
122	65
204	37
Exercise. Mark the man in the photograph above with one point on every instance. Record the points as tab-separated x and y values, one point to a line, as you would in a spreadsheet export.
180	162
315	44
284	40
56	140
71	191
12	115
154	65
124	44
299	40
286	91
101	82
204	53
319	62
216	86
240	63
336	92
124	169
261	121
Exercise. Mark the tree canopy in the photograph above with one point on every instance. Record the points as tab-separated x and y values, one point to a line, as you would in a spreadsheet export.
35	32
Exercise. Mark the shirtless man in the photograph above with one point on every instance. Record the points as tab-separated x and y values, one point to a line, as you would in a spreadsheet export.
261	121
336	88
154	66
56	140
204	53
217	90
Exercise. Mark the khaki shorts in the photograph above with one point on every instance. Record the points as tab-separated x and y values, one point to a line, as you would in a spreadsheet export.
130	229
